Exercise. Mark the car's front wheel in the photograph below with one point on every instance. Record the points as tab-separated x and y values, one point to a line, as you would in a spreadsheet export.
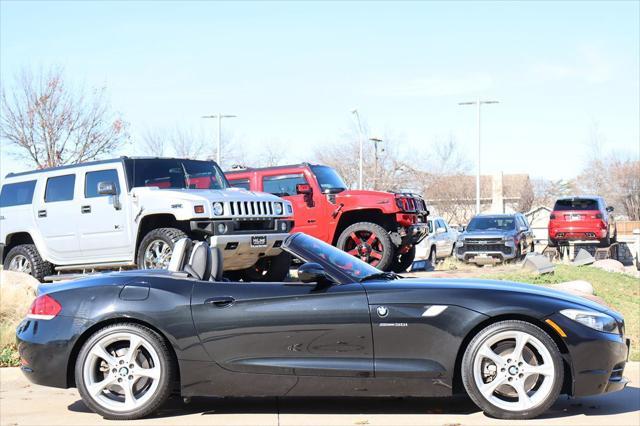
369	242
512	370
124	372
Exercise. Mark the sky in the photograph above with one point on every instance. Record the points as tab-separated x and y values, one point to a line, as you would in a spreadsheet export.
293	71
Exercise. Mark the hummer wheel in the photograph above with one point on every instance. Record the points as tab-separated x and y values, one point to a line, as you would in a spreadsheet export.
369	242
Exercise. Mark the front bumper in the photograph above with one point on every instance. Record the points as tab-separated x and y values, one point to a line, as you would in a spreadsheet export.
597	359
485	254
413	234
240	252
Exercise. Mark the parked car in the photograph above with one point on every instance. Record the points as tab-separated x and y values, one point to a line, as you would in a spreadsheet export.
129	340
582	219
495	238
440	242
129	212
380	228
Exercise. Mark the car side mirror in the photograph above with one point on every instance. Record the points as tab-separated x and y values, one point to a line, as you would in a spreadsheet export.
441	230
609	209
110	189
304	188
313	273
107	188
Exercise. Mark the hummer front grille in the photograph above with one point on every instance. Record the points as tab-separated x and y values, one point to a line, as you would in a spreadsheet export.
253	208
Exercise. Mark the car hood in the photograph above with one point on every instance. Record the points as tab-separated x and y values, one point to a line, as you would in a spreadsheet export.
487	234
211	195
488	291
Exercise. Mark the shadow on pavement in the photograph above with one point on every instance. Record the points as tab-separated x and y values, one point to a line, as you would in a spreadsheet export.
624	401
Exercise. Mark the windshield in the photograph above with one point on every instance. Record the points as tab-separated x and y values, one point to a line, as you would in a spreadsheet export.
492	223
321	252
174	173
329	179
576	204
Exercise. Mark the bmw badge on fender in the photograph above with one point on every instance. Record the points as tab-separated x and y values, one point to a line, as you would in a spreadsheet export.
128	340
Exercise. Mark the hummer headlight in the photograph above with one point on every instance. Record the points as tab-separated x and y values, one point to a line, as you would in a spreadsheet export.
218	208
277	208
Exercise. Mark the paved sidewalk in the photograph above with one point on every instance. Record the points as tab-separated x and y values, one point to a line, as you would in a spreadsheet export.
22	403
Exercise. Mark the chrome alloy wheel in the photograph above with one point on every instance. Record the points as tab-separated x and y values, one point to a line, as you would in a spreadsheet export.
122	371
514	371
157	255
20	263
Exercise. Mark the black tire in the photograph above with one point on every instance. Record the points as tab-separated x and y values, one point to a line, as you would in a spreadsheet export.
467	370
401	261
39	267
268	269
169	235
384	248
167	375
433	258
552	243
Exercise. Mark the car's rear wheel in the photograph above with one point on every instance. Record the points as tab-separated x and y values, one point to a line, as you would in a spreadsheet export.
401	261
156	247
512	370
124	372
26	258
369	242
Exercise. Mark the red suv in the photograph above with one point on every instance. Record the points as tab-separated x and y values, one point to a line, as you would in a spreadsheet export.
583	219
381	228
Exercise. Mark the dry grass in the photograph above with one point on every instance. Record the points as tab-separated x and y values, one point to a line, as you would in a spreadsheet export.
17	291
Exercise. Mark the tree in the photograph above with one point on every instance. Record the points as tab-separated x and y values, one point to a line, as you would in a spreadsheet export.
612	175
52	124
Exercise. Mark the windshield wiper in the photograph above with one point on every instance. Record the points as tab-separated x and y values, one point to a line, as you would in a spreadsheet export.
381	275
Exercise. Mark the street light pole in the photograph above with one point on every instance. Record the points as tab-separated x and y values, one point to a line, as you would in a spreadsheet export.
479	103
219	116
375	141
355	112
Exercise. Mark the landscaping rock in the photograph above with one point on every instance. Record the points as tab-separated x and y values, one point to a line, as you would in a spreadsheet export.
609	265
583	258
574	286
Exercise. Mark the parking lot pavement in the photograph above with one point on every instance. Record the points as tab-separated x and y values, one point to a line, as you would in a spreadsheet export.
22	403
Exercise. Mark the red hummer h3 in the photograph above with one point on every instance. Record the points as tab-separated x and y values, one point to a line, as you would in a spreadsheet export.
381	228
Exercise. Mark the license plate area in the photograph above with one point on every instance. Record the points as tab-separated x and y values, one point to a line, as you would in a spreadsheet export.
258	241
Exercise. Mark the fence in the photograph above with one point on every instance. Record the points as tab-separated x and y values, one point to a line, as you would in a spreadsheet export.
626	227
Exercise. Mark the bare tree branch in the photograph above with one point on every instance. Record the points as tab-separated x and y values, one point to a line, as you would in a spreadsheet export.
53	125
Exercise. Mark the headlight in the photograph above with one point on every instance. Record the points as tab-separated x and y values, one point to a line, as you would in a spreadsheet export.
277	208
460	242
596	320
218	208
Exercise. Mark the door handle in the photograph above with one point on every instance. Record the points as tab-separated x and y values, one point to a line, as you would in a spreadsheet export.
85	209
42	213
220	301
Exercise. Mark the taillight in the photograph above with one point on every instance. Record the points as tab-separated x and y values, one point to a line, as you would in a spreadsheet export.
44	307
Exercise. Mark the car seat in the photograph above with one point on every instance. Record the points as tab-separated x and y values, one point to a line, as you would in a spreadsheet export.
180	254
216	264
199	265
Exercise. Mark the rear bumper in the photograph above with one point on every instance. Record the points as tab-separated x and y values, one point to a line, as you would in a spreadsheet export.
45	347
576	233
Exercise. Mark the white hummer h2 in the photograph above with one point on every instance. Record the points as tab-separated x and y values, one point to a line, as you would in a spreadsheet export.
129	212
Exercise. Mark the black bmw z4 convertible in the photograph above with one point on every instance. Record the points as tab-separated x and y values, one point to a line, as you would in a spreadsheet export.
129	340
